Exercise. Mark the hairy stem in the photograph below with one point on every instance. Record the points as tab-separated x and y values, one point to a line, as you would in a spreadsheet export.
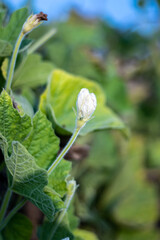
59	219
12	213
5	204
65	150
13	62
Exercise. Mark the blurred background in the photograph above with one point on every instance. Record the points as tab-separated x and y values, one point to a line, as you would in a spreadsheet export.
117	44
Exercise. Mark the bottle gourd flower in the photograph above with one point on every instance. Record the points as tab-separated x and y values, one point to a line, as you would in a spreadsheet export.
86	105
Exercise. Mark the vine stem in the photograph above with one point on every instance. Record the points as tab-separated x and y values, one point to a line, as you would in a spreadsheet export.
12	213
41	41
59	219
5	203
13	62
65	150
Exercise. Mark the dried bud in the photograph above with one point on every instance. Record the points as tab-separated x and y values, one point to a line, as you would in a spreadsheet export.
34	21
86	104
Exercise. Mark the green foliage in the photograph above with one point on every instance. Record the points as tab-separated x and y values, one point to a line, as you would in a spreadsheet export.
42	143
12	125
115	198
19	228
148	234
9	33
66	87
139	194
28	179
32	72
83	234
28	162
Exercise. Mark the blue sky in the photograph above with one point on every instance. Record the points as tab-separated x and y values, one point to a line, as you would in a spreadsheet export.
122	14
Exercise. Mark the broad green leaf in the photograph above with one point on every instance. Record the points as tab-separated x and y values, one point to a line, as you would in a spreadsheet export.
131	199
12	125
139	235
18	228
28	179
57	180
56	198
42	143
83	235
10	32
61	232
60	97
33	72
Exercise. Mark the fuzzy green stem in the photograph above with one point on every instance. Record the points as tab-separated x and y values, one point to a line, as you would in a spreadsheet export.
41	41
59	219
5	204
12	213
13	62
65	150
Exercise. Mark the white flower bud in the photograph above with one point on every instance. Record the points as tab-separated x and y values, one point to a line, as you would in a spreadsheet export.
86	104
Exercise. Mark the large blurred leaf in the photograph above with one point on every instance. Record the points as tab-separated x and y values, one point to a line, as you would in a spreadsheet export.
33	72
18	228
60	97
153	153
28	179
10	33
131	199
139	235
83	235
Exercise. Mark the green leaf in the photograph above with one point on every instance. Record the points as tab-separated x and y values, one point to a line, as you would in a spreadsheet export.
154	153
61	232
12	30
139	235
42	142
18	228
131	199
83	235
28	179
5	48
57	179
2	14
12	125
60	97
32	72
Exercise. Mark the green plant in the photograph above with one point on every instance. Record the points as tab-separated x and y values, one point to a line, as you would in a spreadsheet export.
35	171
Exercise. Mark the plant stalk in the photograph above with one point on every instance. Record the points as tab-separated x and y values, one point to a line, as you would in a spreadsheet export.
5	204
13	62
65	150
59	219
12	213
